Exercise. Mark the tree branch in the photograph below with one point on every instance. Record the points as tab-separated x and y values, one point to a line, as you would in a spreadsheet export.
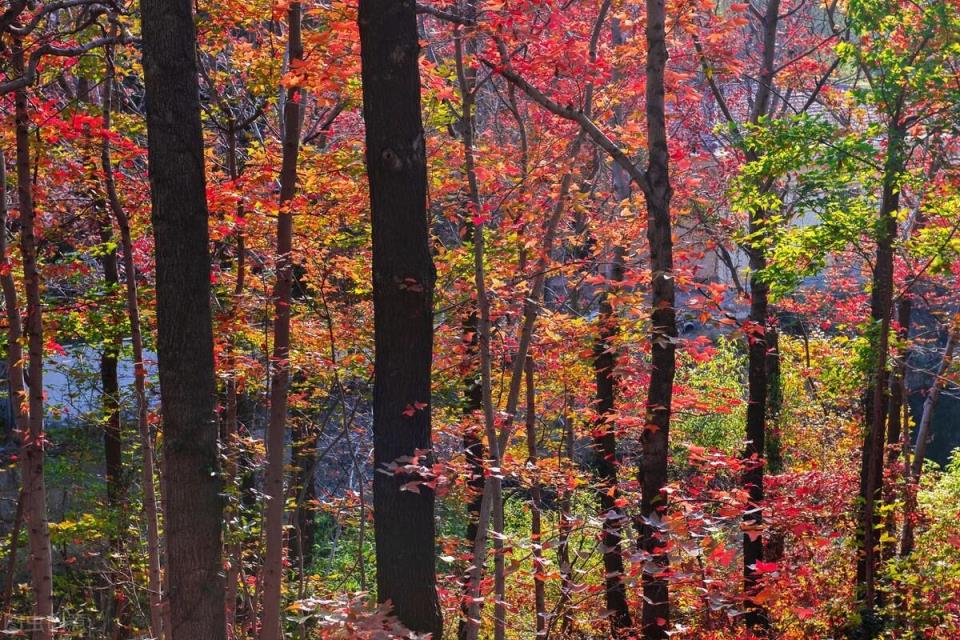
444	15
575	115
30	73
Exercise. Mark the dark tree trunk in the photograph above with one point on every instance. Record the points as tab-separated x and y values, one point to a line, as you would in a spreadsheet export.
605	432
755	432
605	455
876	400
895	425
112	437
774	447
898	390
653	476
758	348
112	428
188	393
403	281
923	434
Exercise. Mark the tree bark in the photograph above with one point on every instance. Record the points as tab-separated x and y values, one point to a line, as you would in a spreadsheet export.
758	348
653	471
280	384
605	431
184	327
605	451
112	428
403	282
33	437
877	402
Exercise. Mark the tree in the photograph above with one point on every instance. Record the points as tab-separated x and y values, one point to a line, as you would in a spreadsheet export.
403	281
191	466
279	388
32	430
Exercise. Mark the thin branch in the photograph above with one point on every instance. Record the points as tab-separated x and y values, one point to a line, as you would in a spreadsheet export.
30	74
444	15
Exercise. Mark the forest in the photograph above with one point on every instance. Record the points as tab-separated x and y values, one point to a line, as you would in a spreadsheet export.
480	319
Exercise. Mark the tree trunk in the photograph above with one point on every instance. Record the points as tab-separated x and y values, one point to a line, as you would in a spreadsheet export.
536	507
605	432
896	422
147	474
923	434
403	281
756	430
653	472
184	327
476	321
15	379
758	349
565	609
605	452
876	405
35	492
280	384
112	428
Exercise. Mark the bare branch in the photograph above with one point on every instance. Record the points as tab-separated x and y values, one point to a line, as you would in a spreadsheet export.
30	73
589	127
444	15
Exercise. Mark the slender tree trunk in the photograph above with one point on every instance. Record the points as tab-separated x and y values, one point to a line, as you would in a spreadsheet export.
231	418
112	428
605	453
33	437
403	281
565	529
923	435
193	486
876	397
605	431
492	492
774	451
756	431
475	328
12	548
758	348
536	506
895	423
279	387
147	473
15	379
653	472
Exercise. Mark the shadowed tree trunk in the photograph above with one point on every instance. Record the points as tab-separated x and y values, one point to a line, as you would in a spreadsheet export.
653	471
194	506
876	397
31	431
758	352
112	430
280	383
605	445
605	436
403	281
